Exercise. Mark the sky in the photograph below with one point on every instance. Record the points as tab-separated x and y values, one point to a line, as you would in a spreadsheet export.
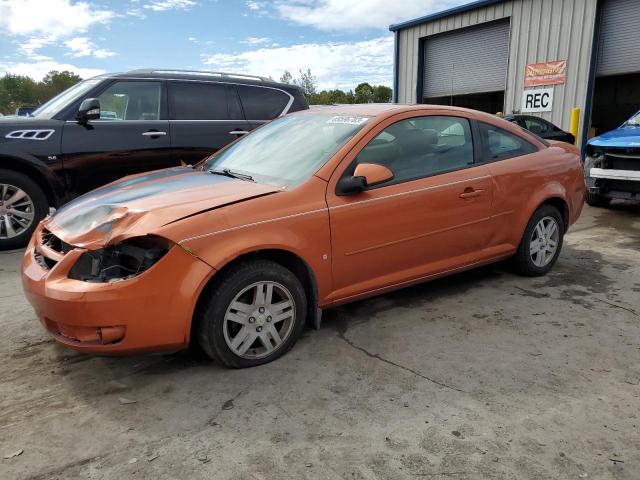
343	42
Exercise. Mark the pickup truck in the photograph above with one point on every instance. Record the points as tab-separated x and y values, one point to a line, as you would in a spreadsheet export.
612	164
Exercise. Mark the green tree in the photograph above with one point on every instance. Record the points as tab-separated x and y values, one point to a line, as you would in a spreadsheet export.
17	90
381	94
364	93
286	77
307	82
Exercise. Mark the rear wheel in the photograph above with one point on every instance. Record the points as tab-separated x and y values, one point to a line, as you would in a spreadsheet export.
541	243
22	205
253	315
595	200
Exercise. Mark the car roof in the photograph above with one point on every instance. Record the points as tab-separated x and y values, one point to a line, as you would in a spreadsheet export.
202	75
388	109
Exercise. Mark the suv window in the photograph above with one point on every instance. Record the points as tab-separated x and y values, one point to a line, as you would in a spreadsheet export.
202	101
131	101
500	144
421	147
262	103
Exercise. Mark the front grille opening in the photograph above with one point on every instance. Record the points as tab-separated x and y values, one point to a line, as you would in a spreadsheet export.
44	262
48	239
622	158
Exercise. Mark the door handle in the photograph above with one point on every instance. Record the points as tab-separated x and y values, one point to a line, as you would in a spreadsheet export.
238	132
154	134
471	193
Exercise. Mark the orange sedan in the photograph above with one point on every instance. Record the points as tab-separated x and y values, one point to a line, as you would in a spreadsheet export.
315	209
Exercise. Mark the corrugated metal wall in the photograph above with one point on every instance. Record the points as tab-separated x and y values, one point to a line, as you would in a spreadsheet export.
619	50
541	30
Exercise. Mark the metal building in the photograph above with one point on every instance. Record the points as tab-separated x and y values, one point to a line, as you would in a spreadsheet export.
539	56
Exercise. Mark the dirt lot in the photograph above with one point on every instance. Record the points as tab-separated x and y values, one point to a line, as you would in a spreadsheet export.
481	375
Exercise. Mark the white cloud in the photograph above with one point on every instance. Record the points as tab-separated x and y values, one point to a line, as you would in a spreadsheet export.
35	24
37	70
83	47
162	5
349	15
51	18
335	65
256	40
256	5
30	47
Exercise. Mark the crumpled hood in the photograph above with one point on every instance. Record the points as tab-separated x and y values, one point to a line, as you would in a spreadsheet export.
620	137
138	205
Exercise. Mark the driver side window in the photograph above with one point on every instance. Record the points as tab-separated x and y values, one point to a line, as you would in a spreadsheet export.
131	101
421	147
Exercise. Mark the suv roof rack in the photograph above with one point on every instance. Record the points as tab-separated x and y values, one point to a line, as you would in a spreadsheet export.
200	72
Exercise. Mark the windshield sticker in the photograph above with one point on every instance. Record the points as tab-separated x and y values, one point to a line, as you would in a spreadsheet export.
348	120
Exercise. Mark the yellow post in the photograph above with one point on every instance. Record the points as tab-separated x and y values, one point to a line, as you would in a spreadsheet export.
575	122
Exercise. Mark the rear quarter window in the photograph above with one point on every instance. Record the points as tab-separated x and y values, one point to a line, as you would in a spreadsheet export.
498	144
261	103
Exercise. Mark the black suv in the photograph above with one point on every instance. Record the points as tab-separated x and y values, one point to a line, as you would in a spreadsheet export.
110	126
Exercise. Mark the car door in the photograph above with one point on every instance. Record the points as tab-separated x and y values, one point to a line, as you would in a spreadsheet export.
262	104
204	117
131	136
432	217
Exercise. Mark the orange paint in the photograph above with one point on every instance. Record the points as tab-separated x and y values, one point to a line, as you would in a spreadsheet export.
354	245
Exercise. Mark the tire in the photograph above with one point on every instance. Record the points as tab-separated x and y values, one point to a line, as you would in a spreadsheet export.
221	328
531	264
595	200
31	207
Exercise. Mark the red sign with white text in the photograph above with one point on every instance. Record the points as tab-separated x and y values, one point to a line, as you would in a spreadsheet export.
545	73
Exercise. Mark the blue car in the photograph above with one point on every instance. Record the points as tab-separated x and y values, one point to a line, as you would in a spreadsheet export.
612	164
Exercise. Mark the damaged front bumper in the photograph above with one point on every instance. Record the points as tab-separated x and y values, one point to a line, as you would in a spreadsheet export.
151	311
602	178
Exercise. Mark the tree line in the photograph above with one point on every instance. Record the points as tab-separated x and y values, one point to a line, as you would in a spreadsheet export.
363	93
20	90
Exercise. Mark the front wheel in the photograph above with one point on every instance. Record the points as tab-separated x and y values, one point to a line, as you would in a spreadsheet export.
252	315
541	243
22	205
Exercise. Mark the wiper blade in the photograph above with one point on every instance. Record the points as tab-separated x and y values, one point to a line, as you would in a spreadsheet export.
229	173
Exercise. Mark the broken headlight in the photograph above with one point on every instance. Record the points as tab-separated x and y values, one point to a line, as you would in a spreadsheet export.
122	261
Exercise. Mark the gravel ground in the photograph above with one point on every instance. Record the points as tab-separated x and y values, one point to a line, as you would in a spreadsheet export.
483	375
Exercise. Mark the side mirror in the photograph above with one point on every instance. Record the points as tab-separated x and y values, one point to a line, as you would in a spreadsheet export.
89	110
373	173
365	175
350	185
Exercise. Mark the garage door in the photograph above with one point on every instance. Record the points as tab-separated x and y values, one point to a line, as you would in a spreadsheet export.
470	60
619	49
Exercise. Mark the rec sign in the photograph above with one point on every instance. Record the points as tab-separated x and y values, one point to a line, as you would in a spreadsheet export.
540	100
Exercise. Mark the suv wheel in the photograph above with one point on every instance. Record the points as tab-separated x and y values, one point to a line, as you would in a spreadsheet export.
541	243
595	200
253	315
22	205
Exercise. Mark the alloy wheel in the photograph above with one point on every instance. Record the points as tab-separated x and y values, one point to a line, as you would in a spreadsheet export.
544	241
17	211
259	320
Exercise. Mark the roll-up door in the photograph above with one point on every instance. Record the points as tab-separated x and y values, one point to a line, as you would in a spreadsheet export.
619	49
469	60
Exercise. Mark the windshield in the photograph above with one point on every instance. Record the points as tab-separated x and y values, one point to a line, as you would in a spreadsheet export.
60	101
634	121
289	150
